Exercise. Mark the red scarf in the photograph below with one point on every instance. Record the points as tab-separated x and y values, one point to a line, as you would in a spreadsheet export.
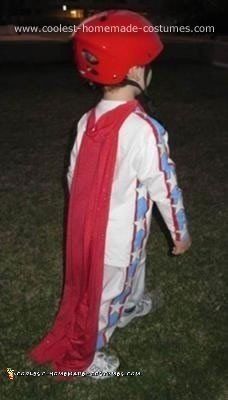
71	343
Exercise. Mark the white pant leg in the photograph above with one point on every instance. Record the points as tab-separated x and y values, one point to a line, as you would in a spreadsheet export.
138	285
113	285
122	289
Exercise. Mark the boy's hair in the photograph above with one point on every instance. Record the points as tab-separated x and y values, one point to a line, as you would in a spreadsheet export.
110	88
123	83
107	88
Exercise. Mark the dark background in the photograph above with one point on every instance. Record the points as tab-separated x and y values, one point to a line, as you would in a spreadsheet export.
189	12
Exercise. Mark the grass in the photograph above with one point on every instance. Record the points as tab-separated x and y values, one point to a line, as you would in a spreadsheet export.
180	349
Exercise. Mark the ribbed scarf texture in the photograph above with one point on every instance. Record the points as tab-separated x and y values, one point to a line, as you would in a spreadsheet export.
70	344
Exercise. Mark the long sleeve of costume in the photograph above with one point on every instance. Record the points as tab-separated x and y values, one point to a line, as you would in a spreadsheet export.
73	157
75	149
156	170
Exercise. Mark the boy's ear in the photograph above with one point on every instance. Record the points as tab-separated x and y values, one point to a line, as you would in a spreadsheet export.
134	73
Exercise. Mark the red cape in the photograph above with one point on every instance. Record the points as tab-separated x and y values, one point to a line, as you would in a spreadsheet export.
70	345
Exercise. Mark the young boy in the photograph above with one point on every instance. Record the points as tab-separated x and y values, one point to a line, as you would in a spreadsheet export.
119	166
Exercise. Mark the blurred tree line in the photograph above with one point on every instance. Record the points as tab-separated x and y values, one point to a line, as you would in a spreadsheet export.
198	12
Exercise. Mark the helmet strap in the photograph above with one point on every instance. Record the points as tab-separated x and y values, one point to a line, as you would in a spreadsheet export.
133	83
128	81
146	98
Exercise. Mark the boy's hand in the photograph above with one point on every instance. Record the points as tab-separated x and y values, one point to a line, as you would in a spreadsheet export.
181	247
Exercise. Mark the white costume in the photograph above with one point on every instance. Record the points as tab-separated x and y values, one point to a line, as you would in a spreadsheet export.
144	174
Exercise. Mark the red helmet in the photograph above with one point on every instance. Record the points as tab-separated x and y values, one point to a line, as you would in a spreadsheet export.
108	44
